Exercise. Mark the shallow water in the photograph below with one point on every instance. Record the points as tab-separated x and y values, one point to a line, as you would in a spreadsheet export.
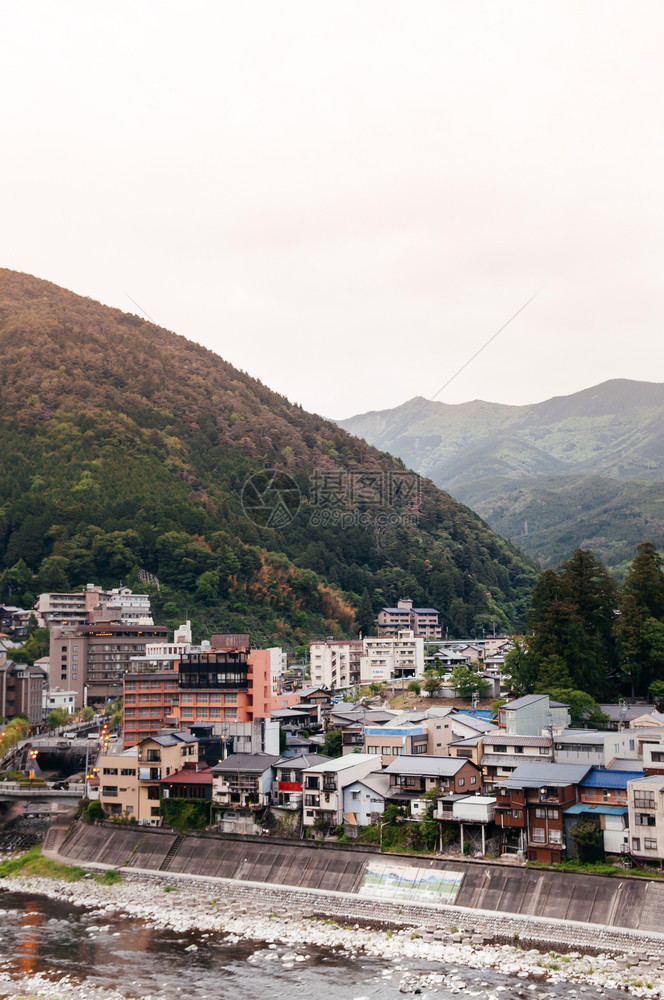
110	955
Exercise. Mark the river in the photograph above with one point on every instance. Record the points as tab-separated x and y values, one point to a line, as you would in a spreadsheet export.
51	948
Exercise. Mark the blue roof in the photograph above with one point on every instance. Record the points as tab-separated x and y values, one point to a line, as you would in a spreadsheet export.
600	777
587	807
478	713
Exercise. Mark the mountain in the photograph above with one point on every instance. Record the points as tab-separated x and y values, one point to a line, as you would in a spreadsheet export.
584	470
128	452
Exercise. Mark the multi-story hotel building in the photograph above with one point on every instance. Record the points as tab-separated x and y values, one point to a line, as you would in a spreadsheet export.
421	621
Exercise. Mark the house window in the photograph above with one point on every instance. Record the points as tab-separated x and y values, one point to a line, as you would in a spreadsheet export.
644	800
355	795
649	844
473	780
187	713
230	713
230	699
544	750
555	837
386	750
154	811
538	835
540	813
552	813
516	814
645	819
636	843
462	782
110	770
631	744
372	749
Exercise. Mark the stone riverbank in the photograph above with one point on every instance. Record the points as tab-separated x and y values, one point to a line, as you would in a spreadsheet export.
587	957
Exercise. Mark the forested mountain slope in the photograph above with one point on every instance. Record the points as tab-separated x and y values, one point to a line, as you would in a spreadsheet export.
124	447
578	471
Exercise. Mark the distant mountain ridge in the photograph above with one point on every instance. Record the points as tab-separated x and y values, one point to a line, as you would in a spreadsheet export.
573	470
124	446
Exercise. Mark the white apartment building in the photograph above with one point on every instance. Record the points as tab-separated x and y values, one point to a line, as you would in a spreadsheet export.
388	657
645	800
93	604
335	663
55	698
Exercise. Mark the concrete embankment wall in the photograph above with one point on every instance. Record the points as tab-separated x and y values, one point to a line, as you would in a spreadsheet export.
636	904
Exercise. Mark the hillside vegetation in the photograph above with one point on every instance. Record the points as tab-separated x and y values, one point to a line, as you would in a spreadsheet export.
124	447
578	471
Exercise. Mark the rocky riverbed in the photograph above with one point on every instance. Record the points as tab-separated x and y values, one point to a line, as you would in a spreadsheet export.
207	910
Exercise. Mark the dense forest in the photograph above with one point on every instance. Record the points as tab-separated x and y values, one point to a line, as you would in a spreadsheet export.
586	634
125	450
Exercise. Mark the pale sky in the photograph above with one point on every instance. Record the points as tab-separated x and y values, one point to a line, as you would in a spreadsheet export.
347	199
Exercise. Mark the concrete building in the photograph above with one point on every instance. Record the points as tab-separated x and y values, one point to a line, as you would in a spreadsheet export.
532	715
599	749
335	663
130	780
392	657
421	621
324	787
92	659
645	799
21	689
57	699
93	604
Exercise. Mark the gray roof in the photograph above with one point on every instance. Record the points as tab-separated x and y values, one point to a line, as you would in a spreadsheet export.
544	773
302	760
422	764
290	713
376	781
630	711
170	739
528	699
468	741
505	739
500	760
250	763
481	725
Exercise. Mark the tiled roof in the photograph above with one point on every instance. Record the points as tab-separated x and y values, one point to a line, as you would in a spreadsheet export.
424	765
538	773
505	739
253	763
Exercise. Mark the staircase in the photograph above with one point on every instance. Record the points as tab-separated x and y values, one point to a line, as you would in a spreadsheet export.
172	851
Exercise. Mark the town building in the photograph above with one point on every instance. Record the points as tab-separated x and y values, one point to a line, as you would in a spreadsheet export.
335	663
242	790
421	621
645	800
533	715
392	657
364	801
92	659
130	779
93	604
21	689
475	816
597	748
413	776
530	805
288	789
324	787
503	753
57	700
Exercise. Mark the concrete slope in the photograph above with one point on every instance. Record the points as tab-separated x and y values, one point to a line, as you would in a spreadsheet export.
589	899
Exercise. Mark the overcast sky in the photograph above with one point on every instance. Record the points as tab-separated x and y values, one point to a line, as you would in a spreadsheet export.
348	199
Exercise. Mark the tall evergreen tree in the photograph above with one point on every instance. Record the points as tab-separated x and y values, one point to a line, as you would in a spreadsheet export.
639	627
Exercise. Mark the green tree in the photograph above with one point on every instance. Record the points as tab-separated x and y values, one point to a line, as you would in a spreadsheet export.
333	743
571	620
584	710
415	687
432	684
57	718
656	692
466	682
365	618
588	841
639	626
